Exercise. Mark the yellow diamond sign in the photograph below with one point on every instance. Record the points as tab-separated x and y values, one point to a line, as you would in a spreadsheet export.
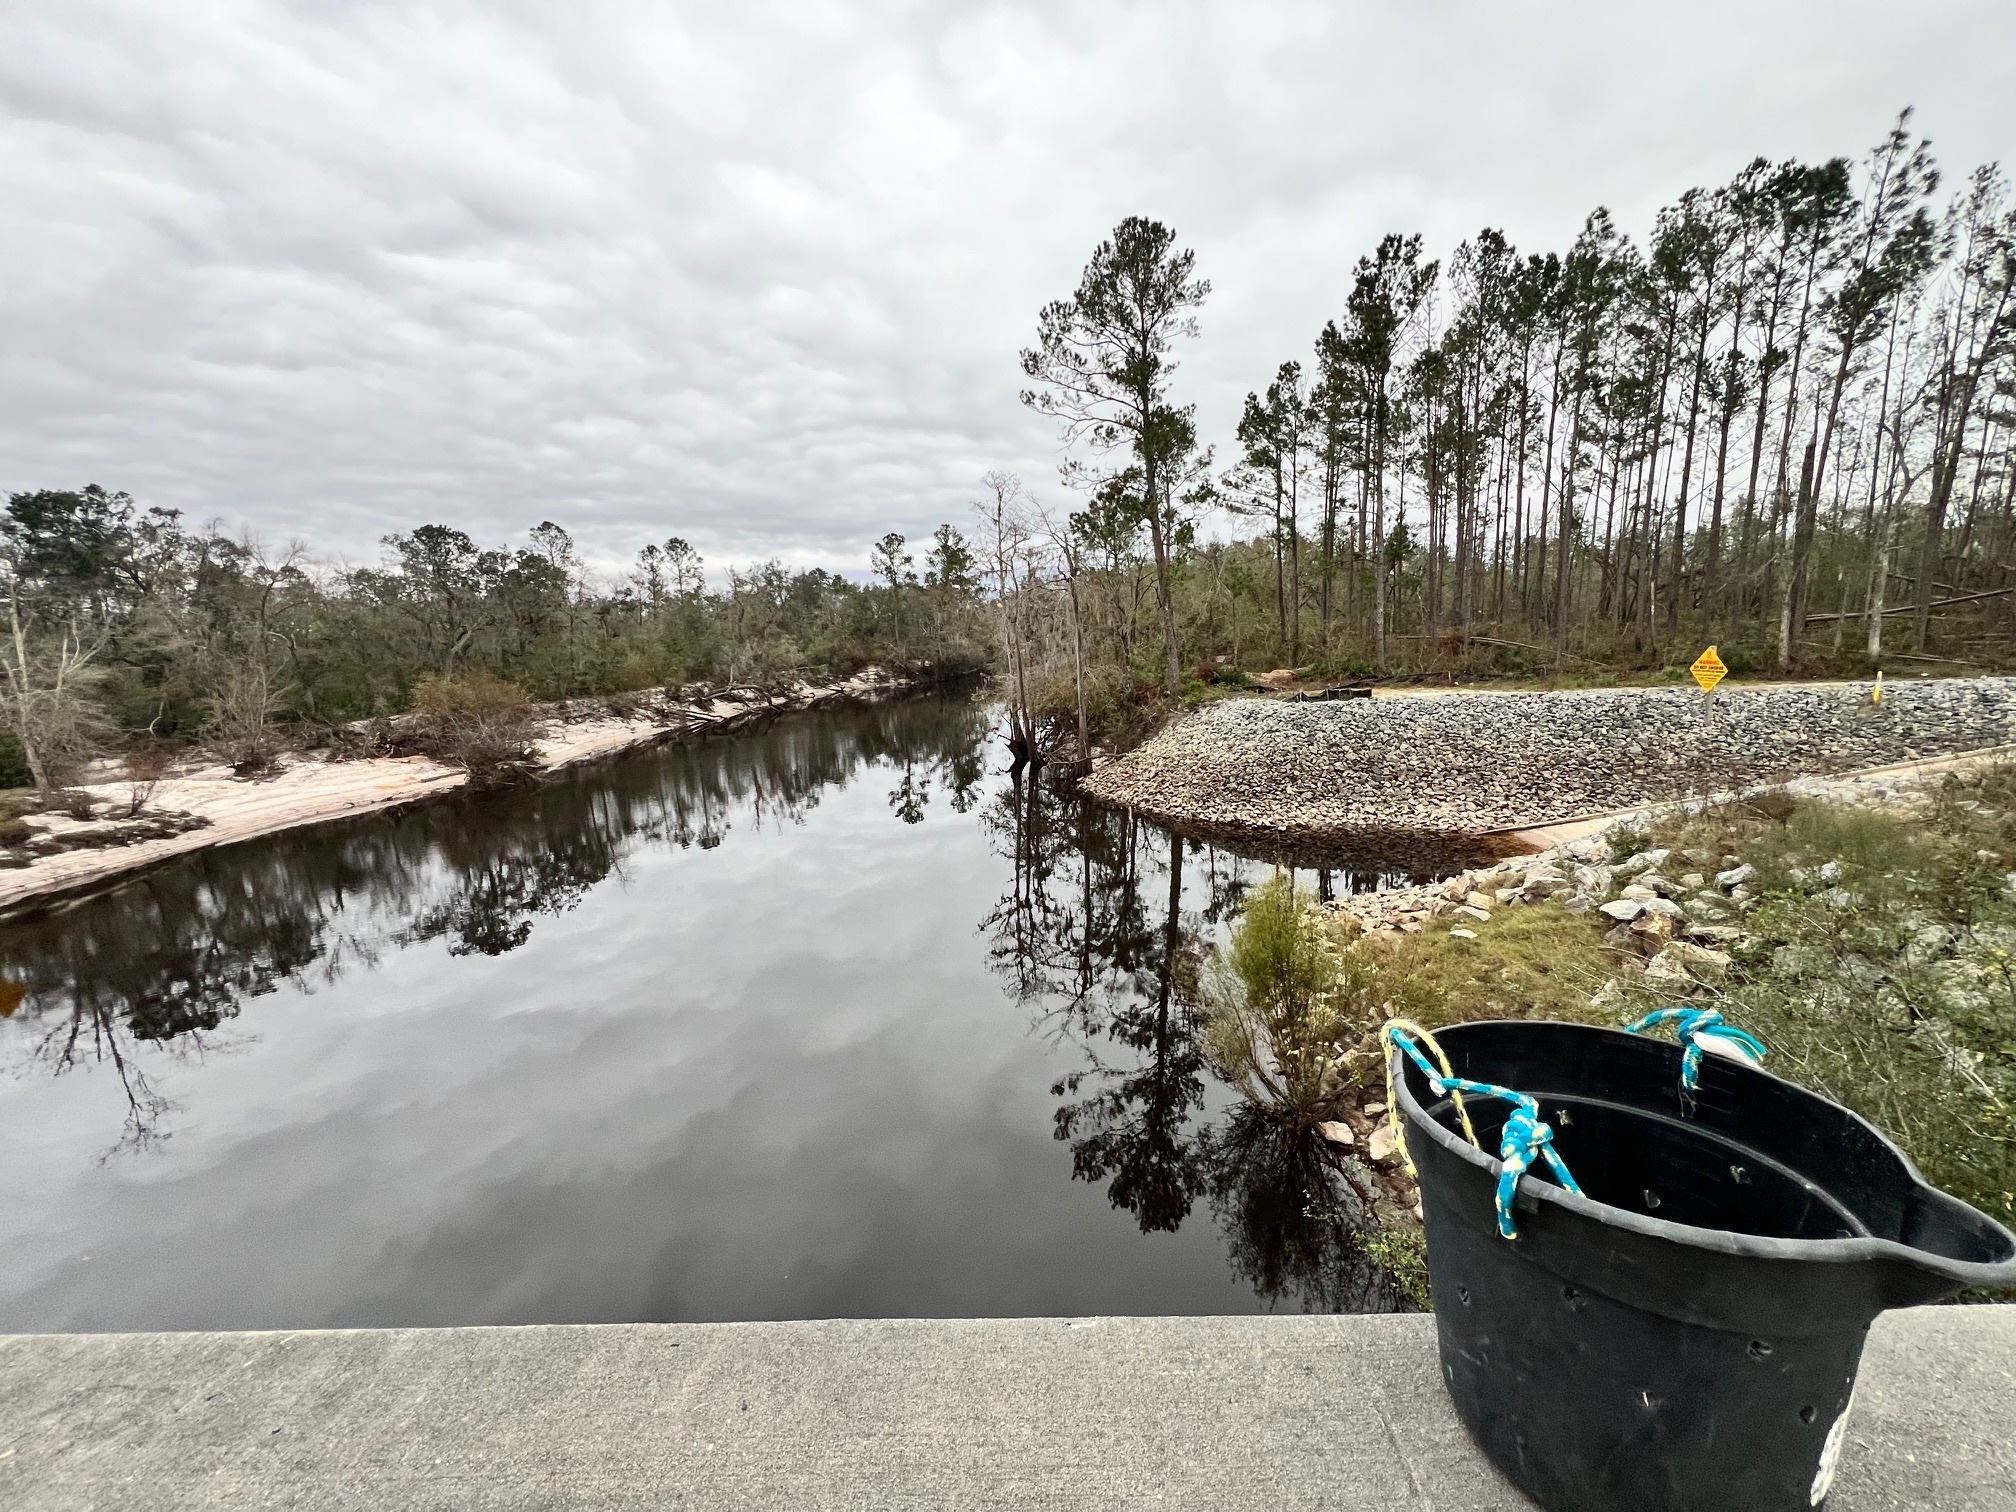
1708	670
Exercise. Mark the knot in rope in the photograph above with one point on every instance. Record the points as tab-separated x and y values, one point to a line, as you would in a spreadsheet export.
1702	1029
1524	1136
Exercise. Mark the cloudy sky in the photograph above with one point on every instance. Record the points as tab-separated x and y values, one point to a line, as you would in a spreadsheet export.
757	273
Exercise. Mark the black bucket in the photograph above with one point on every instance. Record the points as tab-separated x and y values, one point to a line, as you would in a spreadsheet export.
1686	1334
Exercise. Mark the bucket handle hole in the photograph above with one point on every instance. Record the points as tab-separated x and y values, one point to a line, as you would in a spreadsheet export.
1740	1175
1760	1349
1807	1414
1651	1198
1463	1295
1573	1298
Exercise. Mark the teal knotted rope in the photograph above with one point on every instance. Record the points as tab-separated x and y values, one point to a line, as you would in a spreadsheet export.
1525	1135
1692	1022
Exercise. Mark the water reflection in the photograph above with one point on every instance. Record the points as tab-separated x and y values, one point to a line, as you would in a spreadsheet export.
1097	936
1093	929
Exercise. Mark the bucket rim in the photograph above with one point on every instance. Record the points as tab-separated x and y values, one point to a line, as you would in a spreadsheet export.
1854	1250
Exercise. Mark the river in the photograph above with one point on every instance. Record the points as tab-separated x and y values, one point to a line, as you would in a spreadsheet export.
837	1019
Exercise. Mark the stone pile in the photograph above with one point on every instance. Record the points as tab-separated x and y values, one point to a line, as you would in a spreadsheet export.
1673	910
1466	763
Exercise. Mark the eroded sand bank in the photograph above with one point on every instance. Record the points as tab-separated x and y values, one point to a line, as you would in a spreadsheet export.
306	790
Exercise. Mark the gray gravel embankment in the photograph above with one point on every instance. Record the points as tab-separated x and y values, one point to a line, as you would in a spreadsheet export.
1461	764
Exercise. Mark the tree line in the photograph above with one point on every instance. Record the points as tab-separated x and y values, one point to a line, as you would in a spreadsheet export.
1783	422
128	629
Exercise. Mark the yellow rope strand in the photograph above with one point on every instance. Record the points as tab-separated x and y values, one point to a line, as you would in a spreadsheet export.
1408	1026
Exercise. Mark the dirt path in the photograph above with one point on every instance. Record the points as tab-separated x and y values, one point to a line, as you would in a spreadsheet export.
1843	784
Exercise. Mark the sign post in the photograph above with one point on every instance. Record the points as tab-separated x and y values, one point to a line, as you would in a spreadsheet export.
1708	670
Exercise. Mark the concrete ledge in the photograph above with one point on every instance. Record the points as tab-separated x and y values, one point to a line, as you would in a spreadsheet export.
1206	1413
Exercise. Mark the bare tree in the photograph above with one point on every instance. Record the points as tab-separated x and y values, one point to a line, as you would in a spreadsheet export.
46	681
1003	516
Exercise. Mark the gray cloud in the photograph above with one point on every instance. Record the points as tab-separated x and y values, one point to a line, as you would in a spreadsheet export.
757	274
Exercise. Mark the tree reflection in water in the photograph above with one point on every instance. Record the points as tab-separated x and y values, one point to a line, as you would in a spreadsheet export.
1100	931
167	960
1093	935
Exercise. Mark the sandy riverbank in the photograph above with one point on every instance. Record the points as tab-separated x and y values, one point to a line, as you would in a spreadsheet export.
305	790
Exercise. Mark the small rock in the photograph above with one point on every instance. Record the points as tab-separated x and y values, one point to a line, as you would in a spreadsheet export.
1638	893
1663	971
1736	876
1474	899
1716	934
1693	881
1655	926
1336	1132
1624	910
1460	933
1665	906
1595	880
1507	894
1380	1146
1698	959
1481	915
1644	861
1576	903
1831	872
1374	1108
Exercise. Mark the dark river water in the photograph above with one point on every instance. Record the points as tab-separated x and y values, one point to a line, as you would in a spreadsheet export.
832	1020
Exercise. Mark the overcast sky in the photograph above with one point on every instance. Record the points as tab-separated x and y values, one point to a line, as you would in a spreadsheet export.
757	274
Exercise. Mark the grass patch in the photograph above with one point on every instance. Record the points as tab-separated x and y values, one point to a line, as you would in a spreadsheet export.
1880	966
1294	1001
1536	962
1875	955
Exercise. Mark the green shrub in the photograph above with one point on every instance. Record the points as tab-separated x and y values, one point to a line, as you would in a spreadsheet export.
1279	1002
1401	1250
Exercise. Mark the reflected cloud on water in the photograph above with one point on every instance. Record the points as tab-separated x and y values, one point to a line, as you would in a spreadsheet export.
1099	931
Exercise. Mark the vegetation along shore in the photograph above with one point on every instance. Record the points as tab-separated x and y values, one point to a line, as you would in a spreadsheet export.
1863	928
116	819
